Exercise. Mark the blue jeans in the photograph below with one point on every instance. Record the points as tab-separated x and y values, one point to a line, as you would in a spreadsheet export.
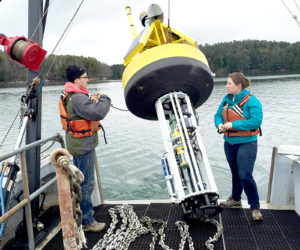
86	165
241	159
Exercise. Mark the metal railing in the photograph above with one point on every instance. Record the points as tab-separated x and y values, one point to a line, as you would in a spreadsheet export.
27	197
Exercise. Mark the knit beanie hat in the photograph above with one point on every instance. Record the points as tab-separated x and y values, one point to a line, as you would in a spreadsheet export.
73	72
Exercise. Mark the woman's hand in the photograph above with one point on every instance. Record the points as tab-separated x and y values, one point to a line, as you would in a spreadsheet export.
221	127
227	125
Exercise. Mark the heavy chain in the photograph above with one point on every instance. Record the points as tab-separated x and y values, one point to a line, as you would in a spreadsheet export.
209	243
132	227
150	223
185	235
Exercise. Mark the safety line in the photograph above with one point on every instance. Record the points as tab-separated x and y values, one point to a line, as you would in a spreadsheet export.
45	12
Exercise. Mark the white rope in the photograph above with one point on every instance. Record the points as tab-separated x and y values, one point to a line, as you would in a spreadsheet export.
294	16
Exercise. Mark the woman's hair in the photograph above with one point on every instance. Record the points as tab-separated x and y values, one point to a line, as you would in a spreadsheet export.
239	78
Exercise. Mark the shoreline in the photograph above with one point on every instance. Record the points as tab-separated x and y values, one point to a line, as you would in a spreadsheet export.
22	84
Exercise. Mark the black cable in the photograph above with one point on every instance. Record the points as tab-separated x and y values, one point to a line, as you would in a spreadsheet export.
103	133
118	108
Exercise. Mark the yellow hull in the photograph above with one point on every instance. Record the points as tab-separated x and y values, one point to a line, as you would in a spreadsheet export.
163	69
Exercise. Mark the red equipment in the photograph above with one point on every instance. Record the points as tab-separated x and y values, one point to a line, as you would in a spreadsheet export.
23	51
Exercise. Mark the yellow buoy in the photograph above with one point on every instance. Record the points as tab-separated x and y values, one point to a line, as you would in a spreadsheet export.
162	60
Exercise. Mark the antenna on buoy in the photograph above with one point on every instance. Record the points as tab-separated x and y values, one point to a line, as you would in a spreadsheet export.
128	10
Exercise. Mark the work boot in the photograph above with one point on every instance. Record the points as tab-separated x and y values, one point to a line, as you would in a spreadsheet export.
231	203
94	227
256	215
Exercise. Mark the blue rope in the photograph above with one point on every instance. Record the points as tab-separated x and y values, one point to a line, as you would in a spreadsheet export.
2	204
41	85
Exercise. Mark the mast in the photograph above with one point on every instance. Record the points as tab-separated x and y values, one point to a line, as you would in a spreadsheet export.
33	131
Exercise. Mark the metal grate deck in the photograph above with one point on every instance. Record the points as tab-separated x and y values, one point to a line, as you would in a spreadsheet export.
280	229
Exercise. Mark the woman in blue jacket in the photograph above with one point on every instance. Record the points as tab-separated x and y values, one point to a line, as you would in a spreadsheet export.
239	117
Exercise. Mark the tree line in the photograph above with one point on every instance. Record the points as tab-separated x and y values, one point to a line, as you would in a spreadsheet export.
252	57
54	67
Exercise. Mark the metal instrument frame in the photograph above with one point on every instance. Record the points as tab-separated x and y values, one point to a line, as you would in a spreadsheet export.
193	186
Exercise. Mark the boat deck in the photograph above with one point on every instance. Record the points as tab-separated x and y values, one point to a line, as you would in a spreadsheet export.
280	229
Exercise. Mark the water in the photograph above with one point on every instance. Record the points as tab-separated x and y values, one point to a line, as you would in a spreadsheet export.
130	163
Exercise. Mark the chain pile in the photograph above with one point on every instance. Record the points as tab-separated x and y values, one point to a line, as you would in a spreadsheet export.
131	227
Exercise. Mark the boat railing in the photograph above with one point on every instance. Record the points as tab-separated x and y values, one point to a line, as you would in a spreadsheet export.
27	196
284	188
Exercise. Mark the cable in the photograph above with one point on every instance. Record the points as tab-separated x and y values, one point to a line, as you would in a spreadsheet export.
59	40
118	108
10	127
41	20
2	204
296	5
41	85
294	16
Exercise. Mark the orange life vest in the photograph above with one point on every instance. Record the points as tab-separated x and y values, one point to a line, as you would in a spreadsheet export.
236	114
78	128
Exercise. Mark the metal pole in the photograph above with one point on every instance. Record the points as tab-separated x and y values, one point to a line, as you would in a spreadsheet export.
27	207
20	137
41	189
25	201
271	174
98	181
128	11
13	210
29	146
33	132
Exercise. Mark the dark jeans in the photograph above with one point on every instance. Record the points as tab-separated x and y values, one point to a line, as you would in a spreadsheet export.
86	165
241	159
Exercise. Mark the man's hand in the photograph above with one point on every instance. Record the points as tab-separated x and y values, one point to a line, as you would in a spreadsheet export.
94	97
102	92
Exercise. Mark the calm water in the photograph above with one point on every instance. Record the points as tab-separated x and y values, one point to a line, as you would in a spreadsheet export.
130	162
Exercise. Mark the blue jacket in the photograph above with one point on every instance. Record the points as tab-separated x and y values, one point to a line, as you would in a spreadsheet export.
252	112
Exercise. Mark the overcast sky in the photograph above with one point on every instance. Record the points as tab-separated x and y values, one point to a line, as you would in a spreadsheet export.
101	28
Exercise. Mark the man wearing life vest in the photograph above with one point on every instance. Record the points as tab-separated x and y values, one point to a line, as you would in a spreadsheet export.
80	117
239	117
